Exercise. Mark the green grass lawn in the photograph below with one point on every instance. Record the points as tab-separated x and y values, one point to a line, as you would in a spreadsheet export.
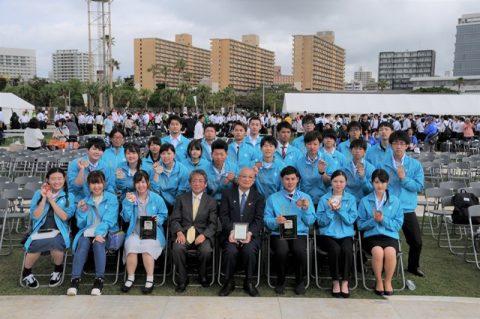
446	275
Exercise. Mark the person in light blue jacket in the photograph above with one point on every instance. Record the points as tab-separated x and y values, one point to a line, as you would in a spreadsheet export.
194	158
329	149
171	176
52	207
268	168
153	155
97	215
175	138
358	171
406	181
115	155
221	172
354	130
381	218
308	123
286	151
142	202
254	139
376	154
126	170
336	214
315	169
209	136
80	168
239	152
289	201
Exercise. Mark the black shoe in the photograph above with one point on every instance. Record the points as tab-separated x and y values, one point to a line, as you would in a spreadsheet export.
379	292
416	272
227	288
30	281
148	290
300	288
336	294
345	294
126	288
204	282
181	287
280	289
250	289
97	287
388	293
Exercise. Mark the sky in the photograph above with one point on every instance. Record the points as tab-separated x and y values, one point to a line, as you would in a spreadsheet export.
362	27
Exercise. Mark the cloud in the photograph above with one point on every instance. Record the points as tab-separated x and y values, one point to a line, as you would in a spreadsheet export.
362	28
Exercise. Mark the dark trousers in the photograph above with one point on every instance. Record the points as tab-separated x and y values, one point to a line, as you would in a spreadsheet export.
99	129
298	248
411	230
340	255
179	256
247	254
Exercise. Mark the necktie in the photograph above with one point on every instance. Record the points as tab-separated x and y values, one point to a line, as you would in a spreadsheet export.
238	151
191	230
243	201
291	196
283	152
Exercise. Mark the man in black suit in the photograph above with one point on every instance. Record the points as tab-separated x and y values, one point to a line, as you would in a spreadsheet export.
242	204
193	226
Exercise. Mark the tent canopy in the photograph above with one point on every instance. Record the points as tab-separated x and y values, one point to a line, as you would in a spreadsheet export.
10	103
360	103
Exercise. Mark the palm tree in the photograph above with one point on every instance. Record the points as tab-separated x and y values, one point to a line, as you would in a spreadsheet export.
460	81
203	95
49	93
155	69
229	97
183	90
93	92
145	95
164	71
382	84
180	65
167	96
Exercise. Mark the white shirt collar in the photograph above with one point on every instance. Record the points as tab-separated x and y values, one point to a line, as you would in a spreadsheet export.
240	193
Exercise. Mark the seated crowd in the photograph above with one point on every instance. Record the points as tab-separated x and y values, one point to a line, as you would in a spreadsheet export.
200	191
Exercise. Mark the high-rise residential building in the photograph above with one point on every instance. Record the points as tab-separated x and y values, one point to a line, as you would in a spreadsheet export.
364	77
164	56
397	68
318	63
353	85
467	46
281	79
241	64
18	63
69	64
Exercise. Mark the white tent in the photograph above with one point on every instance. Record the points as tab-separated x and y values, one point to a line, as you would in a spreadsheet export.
359	103
10	103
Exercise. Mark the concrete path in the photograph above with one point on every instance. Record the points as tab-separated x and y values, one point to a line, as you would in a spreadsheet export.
153	307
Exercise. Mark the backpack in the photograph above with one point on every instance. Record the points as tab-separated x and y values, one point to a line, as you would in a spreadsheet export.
461	201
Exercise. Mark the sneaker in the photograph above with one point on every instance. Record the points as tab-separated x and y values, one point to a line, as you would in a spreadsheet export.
31	282
73	290
97	287
55	279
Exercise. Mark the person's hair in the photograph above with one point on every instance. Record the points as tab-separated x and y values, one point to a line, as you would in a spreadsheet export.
209	125
166	147
96	177
399	136
386	124
134	147
238	123
312	136
254	118
289	170
308	119
358	143
116	130
65	185
330	134
139	175
198	172
33	123
383	177
97	143
194	145
268	139
219	145
153	140
283	125
354	124
338	172
174	118
201	116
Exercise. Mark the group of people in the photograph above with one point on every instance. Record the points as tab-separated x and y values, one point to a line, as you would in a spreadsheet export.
205	189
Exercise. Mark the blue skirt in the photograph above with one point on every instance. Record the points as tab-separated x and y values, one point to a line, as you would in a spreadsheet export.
47	244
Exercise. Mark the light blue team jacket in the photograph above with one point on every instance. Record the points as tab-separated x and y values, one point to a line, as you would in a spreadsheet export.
299	143
356	185
268	180
202	164
108	212
279	204
338	158
125	184
337	224
38	222
155	207
247	154
392	217
405	190
82	191
180	149
216	180
169	187
113	158
292	154
376	154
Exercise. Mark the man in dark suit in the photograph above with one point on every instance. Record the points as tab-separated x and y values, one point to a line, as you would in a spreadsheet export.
193	226
242	204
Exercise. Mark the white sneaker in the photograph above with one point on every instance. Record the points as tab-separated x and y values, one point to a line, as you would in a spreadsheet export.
72	291
55	279
97	287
